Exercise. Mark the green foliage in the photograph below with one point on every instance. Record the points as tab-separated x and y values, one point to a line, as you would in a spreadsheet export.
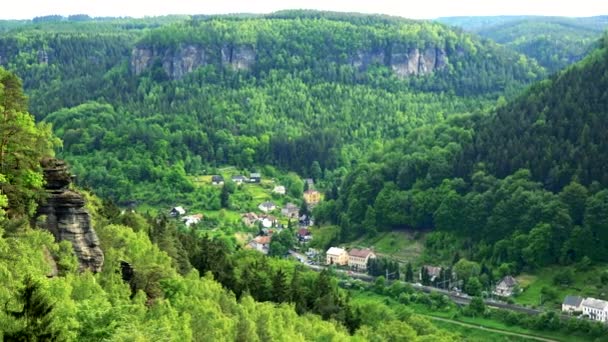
555	42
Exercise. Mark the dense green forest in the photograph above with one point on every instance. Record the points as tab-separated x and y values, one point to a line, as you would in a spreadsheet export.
287	89
158	282
520	188
405	125
554	42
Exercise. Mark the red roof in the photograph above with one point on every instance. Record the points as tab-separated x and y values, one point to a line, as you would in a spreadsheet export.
303	232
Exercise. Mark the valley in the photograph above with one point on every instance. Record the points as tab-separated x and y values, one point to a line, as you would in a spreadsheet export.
229	177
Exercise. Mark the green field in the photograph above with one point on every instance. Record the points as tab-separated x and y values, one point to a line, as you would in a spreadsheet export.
399	245
586	284
451	313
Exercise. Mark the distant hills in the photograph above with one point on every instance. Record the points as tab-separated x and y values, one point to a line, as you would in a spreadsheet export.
554	42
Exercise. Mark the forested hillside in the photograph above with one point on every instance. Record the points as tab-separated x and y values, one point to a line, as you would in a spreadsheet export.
555	42
521	188
157	282
287	89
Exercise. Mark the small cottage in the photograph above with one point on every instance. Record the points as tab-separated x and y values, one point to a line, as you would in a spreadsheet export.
506	287
290	211
255	177
267	206
239	179
279	190
177	211
572	304
217	180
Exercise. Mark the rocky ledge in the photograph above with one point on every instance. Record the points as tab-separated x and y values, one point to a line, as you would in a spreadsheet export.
66	216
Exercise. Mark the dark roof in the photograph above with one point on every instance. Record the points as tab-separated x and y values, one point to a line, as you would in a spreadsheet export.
217	178
509	281
573	300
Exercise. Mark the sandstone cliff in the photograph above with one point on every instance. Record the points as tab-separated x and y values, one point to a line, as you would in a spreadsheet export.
187	57
67	218
179	61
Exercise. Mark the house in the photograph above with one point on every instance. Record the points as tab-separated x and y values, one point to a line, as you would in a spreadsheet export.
595	309
434	272
255	178
336	256
217	180
310	182
358	258
177	211
261	243
303	234
506	287
239	179
279	190
268	221
192	219
249	219
312	197
572	304
267	206
291	211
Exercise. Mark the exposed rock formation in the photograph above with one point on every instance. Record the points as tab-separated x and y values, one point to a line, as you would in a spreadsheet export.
413	61
67	218
178	62
187	57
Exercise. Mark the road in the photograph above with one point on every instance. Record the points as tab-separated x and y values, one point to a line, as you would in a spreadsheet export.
503	332
458	298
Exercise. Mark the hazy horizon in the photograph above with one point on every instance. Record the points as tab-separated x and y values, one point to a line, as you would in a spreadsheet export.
29	9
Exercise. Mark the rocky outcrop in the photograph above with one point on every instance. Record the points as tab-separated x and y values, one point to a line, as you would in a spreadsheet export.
413	61
404	61
188	57
66	216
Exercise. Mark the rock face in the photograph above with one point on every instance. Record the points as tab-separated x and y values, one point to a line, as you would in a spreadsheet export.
404	61
187	57
67	218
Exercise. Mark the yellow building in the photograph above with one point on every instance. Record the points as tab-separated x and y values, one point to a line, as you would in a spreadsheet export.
336	256
312	196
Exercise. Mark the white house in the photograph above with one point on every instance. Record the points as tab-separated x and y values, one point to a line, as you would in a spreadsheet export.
572	304
177	211
506	287
239	179
192	219
261	243
596	309
267	206
279	190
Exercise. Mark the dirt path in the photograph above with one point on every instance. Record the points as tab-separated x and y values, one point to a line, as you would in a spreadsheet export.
491	329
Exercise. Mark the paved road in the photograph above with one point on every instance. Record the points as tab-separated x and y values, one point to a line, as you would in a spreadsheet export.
503	332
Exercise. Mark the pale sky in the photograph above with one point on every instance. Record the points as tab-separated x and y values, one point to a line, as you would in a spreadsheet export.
417	9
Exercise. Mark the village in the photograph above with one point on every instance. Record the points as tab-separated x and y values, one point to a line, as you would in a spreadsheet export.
270	219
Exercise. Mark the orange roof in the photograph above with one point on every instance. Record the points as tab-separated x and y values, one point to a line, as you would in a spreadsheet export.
264	240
